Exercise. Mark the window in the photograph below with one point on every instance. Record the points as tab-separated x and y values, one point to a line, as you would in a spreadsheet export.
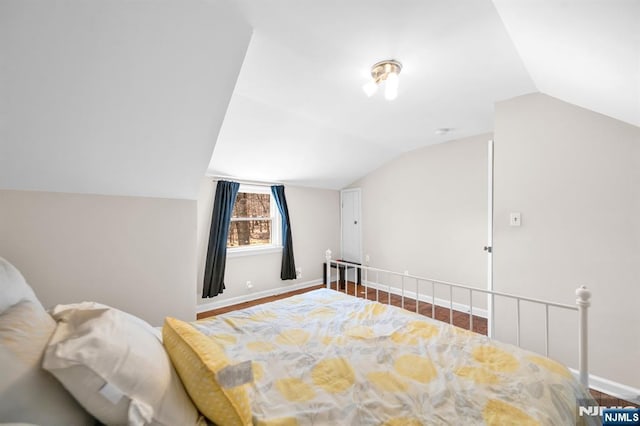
255	221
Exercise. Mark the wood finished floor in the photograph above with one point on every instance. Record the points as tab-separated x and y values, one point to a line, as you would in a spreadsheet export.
460	319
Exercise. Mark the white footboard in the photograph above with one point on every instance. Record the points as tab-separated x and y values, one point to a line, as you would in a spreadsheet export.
361	278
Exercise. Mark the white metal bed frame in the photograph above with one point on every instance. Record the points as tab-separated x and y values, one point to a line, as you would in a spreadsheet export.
582	303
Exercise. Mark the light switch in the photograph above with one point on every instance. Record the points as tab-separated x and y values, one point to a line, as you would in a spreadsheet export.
515	219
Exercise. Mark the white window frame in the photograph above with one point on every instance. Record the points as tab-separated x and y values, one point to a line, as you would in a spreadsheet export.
276	226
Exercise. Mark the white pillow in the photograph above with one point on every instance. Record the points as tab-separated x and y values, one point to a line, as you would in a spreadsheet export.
58	312
13	287
115	366
27	392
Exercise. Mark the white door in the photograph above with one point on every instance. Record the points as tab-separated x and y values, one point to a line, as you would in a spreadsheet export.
351	240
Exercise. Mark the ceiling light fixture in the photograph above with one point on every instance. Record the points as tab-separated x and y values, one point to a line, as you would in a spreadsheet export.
384	73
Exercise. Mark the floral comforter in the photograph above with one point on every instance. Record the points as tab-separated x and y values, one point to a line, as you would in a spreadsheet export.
325	358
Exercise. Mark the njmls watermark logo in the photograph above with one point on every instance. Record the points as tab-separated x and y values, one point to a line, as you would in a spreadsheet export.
621	416
609	414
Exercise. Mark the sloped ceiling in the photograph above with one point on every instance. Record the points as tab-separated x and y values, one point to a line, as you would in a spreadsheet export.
584	52
115	97
130	97
298	113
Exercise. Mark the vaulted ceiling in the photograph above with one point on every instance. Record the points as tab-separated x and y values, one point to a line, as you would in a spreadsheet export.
130	97
298	113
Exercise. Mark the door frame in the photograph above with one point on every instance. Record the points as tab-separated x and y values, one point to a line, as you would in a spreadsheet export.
342	192
490	298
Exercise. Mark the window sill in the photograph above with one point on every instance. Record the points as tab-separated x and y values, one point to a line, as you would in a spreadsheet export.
252	251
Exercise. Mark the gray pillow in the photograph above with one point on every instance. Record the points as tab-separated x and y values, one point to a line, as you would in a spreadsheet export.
27	392
13	287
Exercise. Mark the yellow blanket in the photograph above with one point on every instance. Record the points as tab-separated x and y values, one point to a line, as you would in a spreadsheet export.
326	358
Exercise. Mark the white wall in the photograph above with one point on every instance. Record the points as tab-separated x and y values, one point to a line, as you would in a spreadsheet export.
315	225
136	254
426	212
575	177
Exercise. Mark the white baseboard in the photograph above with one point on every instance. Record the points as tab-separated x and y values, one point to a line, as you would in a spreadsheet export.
460	307
209	306
615	389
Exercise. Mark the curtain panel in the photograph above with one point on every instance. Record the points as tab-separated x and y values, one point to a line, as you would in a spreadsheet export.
223	203
288	267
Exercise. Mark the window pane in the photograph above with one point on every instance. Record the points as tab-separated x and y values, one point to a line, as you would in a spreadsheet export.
249	233
252	205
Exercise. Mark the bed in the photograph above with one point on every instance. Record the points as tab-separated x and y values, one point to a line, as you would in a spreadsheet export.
319	358
324	357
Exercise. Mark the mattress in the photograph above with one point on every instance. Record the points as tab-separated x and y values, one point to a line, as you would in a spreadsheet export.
327	358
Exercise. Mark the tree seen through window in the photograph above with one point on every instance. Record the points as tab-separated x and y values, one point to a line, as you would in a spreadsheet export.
251	220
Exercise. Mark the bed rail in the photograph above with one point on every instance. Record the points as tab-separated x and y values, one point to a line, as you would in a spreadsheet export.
582	302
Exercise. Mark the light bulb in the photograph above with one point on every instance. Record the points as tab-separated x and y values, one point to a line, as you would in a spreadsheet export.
370	88
391	87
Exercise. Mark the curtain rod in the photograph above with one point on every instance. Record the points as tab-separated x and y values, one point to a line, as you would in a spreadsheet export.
243	181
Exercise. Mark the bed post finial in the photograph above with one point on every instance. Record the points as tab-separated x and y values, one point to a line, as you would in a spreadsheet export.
584	294
583	303
327	255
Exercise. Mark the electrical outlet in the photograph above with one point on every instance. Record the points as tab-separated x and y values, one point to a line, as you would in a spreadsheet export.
367	258
249	285
298	273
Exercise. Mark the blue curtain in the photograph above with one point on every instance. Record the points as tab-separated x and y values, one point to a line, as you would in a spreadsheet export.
225	198
288	268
